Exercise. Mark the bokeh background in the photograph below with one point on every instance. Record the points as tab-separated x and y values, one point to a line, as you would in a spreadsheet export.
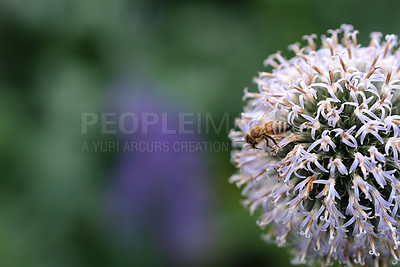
61	206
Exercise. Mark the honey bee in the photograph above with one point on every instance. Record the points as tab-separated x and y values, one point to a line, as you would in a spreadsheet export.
259	133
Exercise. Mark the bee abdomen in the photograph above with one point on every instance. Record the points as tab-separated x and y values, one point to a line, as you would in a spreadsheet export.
279	127
272	127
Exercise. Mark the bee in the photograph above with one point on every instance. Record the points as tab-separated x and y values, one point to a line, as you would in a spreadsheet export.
259	133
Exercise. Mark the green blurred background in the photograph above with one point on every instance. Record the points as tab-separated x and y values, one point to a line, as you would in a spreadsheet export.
59	58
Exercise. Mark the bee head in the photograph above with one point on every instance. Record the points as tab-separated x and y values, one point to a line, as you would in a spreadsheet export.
250	141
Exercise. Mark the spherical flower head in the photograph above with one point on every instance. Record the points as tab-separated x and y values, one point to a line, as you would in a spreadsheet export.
322	167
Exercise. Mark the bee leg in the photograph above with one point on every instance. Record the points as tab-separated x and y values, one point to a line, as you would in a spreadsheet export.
267	143
253	146
273	140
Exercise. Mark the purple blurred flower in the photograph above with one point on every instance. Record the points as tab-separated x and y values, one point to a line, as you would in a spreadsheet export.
160	198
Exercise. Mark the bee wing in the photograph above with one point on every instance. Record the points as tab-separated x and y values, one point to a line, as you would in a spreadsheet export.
263	119
256	120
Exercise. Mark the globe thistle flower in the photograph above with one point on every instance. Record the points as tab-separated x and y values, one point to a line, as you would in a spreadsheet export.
330	187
